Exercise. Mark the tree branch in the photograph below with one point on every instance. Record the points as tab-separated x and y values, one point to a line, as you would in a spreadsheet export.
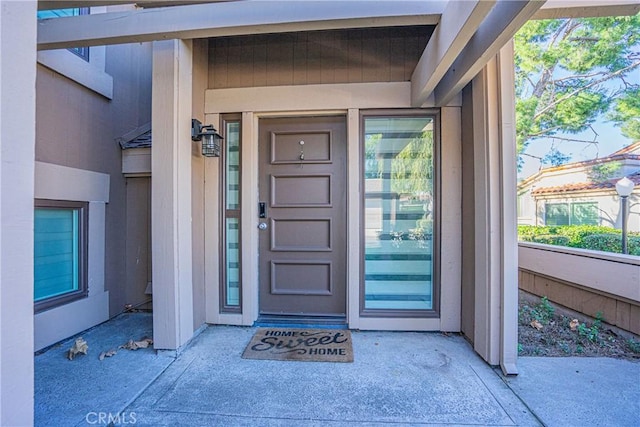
580	76
531	155
584	141
585	87
543	132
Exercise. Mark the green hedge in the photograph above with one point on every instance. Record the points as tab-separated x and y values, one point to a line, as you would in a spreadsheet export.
612	243
592	237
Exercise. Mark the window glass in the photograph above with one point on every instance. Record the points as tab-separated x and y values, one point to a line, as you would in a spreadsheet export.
584	214
556	214
231	201
398	213
56	252
233	165
233	262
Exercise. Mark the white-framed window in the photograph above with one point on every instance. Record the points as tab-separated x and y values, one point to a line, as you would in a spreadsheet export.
571	213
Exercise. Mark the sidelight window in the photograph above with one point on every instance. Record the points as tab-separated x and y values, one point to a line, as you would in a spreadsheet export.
399	211
231	259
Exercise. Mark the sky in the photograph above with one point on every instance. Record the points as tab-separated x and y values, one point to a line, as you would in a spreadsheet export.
608	136
609	140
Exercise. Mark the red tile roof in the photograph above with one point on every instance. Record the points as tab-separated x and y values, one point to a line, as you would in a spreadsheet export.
626	153
628	149
585	186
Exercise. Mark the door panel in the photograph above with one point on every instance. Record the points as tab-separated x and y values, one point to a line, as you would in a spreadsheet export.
302	250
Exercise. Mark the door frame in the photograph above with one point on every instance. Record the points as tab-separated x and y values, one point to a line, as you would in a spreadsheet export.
328	99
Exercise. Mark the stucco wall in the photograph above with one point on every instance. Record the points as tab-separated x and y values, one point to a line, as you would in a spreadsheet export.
76	127
608	207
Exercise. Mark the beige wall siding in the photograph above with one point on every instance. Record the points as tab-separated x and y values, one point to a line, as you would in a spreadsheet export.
199	86
616	310
316	57
76	127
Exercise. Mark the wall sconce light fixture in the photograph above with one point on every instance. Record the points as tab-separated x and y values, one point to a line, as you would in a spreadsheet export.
208	135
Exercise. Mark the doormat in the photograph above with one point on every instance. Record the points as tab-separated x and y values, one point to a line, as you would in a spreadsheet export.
304	345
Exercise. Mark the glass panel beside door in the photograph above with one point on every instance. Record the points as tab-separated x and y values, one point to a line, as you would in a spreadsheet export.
399	206
231	261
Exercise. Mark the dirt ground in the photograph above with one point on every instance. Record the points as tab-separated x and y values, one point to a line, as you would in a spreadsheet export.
545	332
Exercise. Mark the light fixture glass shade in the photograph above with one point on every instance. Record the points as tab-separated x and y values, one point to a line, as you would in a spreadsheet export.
211	144
624	187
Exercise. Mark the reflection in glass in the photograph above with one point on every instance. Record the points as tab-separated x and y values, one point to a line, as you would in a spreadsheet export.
233	165
233	262
232	232
56	257
398	214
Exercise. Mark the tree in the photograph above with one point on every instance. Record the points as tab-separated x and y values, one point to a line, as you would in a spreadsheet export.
627	113
570	72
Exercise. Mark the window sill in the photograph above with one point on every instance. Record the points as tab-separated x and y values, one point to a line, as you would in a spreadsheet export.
78	70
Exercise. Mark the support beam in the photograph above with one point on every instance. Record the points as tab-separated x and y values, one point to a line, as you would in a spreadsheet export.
64	4
496	261
171	194
487	250
230	19
509	224
459	22
500	25
17	153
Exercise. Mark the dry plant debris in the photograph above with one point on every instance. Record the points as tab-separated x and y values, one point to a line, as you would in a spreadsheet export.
79	346
134	345
129	345
535	324
107	353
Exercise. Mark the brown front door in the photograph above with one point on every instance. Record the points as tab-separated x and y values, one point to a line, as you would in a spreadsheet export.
302	180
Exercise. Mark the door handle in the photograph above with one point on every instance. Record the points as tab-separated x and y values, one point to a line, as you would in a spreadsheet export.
262	226
262	210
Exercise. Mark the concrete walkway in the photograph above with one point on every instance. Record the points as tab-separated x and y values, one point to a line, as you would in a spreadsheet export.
396	378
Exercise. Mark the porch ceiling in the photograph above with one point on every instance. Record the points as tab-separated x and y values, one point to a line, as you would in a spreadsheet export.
362	55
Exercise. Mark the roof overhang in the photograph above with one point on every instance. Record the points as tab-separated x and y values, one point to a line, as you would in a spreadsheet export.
65	4
230	19
555	9
467	35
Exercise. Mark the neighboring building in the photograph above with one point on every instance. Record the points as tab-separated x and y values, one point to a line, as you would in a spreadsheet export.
582	193
365	177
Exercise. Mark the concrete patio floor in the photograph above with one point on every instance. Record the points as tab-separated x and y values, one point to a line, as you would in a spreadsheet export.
396	378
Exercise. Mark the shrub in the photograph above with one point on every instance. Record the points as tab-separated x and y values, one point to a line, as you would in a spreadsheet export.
528	233
611	243
577	233
551	239
592	237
